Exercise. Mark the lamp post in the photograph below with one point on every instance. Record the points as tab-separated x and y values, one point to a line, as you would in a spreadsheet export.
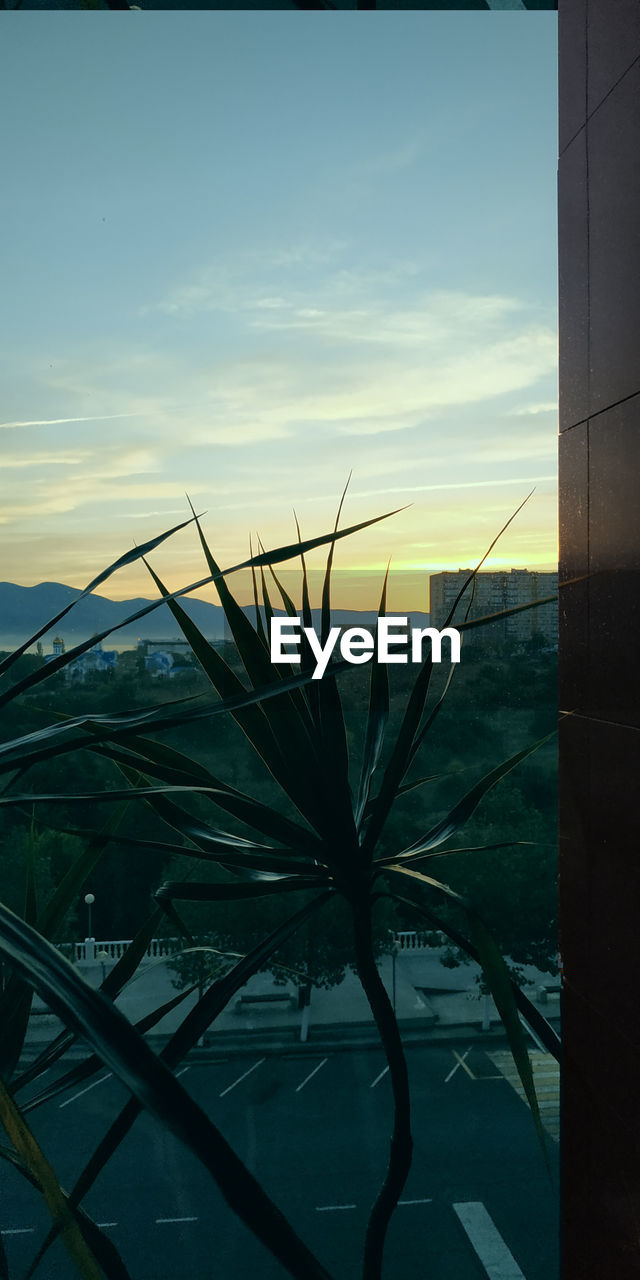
394	952
89	899
103	956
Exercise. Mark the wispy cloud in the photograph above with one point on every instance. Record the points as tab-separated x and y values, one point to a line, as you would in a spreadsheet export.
44	460
355	370
532	410
512	447
249	278
431	319
526	483
56	422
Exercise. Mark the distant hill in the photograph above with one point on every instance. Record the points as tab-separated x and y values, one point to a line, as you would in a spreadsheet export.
24	609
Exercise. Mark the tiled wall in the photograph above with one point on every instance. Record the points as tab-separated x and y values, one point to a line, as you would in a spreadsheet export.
599	201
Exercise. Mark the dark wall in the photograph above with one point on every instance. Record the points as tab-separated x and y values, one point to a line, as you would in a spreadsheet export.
599	188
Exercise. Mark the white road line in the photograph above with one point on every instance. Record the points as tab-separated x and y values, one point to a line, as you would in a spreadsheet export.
242	1077
427	1201
17	1231
378	1078
458	1064
89	1086
491	1249
329	1208
311	1075
181	1073
159	1221
103	1225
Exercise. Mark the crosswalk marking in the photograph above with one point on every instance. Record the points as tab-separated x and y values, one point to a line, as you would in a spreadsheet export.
546	1078
497	1260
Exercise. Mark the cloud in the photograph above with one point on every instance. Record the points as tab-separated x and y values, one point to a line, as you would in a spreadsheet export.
118	464
365	370
147	515
270	303
44	460
421	391
433	320
511	447
449	486
231	284
547	406
56	422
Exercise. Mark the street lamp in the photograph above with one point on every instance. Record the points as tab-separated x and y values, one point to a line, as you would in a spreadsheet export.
103	956
89	901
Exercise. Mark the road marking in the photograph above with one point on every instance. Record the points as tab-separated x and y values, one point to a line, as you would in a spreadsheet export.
17	1231
311	1075
242	1077
460	1063
427	1201
497	1260
329	1208
103	1225
546	1079
181	1073
379	1078
89	1086
160	1221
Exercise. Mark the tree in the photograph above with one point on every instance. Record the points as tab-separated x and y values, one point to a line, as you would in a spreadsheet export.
513	888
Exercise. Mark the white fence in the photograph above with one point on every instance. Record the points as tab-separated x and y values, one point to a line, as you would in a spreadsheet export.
91	951
408	940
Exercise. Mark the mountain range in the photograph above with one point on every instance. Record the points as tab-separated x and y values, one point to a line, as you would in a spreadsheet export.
23	610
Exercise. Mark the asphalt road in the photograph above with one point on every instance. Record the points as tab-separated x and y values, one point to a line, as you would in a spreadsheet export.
479	1202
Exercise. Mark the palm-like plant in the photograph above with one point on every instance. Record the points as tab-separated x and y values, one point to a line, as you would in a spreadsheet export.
331	848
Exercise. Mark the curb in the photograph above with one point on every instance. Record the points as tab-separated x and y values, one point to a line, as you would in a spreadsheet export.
332	1039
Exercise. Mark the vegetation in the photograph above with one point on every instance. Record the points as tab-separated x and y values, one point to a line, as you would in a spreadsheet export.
330	825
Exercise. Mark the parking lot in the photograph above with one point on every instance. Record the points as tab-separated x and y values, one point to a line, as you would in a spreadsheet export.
314	1129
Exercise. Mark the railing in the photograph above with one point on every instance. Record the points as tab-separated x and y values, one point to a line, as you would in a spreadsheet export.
90	950
408	940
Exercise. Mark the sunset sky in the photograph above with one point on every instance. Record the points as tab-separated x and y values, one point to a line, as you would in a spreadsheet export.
244	254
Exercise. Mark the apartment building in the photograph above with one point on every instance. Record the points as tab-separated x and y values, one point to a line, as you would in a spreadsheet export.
493	592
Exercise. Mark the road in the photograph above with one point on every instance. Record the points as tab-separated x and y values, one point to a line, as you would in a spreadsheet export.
478	1204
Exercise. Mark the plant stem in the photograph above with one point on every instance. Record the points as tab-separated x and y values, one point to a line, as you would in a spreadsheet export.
401	1147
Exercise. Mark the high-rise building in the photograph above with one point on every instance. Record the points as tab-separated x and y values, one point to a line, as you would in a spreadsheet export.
493	592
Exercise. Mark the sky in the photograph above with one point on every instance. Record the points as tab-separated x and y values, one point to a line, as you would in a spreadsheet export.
247	254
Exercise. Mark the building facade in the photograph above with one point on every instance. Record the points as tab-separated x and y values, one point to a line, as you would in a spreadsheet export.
599	239
493	592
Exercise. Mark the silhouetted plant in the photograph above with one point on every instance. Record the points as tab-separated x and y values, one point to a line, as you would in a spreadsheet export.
330	850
